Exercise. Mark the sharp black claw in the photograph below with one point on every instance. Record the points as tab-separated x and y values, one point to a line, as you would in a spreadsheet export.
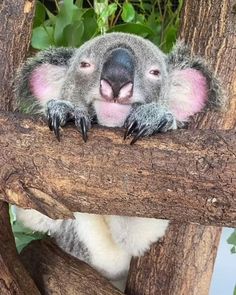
83	126
50	123
162	124
56	125
130	129
139	134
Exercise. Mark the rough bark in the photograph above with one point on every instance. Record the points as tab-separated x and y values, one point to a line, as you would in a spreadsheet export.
183	262
14	279
210	29
56	272
15	33
15	28
184	175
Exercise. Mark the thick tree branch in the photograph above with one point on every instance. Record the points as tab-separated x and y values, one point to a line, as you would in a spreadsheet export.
16	22
185	175
56	272
15	31
183	262
14	279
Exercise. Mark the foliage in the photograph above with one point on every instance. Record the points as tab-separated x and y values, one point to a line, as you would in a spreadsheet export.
232	241
22	235
74	22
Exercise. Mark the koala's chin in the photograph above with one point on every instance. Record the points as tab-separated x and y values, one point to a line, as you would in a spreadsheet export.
124	81
111	114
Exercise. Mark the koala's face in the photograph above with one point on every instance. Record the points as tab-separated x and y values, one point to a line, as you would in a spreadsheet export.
115	72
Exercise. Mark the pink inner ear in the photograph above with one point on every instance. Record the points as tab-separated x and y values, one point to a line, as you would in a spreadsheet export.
188	93
46	82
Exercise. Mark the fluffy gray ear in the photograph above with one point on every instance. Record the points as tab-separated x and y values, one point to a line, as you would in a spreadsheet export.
41	78
192	86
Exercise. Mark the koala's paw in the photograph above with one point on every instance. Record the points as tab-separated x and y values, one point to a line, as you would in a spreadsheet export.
148	119
60	112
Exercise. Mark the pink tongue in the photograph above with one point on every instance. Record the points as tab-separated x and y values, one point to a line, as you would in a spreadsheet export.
111	114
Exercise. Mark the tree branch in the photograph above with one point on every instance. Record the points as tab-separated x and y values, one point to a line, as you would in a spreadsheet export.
187	175
180	263
183	262
15	31
55	271
14	279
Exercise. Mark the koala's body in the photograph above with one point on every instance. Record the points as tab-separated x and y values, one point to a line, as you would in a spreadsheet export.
117	80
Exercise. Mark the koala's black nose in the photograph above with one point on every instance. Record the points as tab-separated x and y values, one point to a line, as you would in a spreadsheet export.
117	75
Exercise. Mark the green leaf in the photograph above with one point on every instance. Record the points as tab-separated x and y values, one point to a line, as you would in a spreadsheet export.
235	290
42	37
40	14
148	6
233	250
22	240
108	11
140	18
128	12
90	25
103	12
154	22
73	34
51	17
169	38
232	239
68	6
23	236
138	29
64	18
79	3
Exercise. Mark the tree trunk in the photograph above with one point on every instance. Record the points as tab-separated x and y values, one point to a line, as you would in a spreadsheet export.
14	279
15	33
56	272
182	263
153	178
15	28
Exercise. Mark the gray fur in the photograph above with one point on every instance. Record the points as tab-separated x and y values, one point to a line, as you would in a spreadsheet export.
68	239
152	117
150	109
149	112
56	56
180	58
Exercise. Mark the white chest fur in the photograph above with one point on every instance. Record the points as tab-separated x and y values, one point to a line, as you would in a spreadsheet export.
110	241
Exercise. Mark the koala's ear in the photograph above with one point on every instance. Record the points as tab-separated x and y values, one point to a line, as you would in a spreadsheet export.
191	85
45	82
41	77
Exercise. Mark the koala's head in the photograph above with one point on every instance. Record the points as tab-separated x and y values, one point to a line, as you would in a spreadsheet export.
113	72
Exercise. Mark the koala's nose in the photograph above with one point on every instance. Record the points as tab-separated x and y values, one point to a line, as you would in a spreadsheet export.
117	76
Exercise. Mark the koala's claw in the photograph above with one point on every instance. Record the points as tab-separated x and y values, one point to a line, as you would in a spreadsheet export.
84	129
148	119
54	125
130	129
139	134
60	112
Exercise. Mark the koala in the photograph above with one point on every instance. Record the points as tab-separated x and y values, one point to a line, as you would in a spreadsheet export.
115	80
